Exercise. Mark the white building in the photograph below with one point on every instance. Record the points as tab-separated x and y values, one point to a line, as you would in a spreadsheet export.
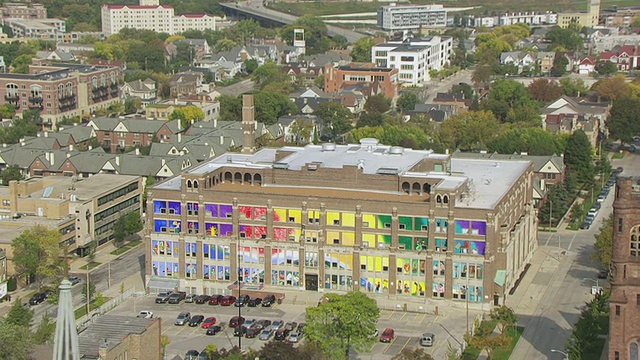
150	15
529	18
45	29
411	17
414	57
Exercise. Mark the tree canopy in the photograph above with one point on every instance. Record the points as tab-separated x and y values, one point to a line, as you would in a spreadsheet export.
604	243
187	114
472	130
532	140
12	172
343	322
407	101
543	89
336	119
624	119
578	157
36	252
362	49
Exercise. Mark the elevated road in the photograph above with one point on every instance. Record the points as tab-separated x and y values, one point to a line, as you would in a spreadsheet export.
255	10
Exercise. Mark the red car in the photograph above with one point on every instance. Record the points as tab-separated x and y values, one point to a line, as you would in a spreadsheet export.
227	300
215	299
387	335
208	322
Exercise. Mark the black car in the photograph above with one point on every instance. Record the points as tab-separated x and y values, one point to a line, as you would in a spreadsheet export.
162	297
253	302
603	274
202	299
239	331
262	324
38	298
585	225
241	301
191	355
196	320
214	330
269	300
176	297
281	334
74	280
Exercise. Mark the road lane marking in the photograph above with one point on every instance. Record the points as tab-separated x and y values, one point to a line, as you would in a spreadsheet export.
571	243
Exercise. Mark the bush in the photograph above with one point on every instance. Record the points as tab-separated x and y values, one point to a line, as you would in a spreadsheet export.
12	284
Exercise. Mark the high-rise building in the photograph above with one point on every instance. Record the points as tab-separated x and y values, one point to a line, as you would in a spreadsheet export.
589	18
411	17
624	329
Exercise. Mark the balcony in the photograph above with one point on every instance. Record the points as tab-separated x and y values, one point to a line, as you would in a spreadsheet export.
35	99
12	98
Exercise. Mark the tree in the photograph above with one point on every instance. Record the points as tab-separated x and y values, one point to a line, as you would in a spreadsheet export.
336	119
509	91
36	252
12	172
250	65
543	89
20	65
636	21
230	108
469	131
505	316
211	350
613	88
578	157
606	68
370	119
362	49
46	329
271	105
315	33
568	38
604	244
301	131
126	225
415	354
560	63
19	315
187	115
278	350
485	340
624	119
7	111
92	291
269	73
15	341
481	74
573	86
164	342
533	141
225	45
343	322
377	104
407	101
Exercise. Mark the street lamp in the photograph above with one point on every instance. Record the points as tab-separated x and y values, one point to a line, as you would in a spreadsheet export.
566	356
550	212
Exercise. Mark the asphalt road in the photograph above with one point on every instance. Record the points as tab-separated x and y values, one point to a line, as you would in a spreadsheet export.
434	87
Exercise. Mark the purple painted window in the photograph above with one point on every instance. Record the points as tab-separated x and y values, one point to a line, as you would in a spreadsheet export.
479	228
211	210
226	229
226	211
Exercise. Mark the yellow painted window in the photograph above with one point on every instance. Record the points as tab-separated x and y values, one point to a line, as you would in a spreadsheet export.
368	221
333	218
295	216
333	237
348	238
280	215
369	240
348	219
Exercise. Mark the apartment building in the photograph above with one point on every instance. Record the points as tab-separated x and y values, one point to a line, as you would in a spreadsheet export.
364	217
624	333
358	73
529	18
411	17
61	90
115	134
42	29
589	18
18	10
618	17
414	57
150	15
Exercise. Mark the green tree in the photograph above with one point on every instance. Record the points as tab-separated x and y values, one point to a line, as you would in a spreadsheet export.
269	73
543	89
362	49
604	244
164	342
578	157
133	222
415	354
485	340
505	316
91	291
315	33
225	45
509	91
19	315
20	65
336	119
377	104
568	38
46	329
230	108
624	119
187	114
370	119
606	68
278	350
481	74
343	322
36	252
533	141
560	63
250	65
407	101
7	111
15	341
469	131
573	86
271	105
12	172
301	131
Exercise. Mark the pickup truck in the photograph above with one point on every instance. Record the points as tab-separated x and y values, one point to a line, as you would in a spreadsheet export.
176	297
162	297
145	314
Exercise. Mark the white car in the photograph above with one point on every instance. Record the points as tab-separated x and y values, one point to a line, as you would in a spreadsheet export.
145	314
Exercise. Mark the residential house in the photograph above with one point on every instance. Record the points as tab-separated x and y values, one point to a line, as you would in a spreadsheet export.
334	58
587	65
519	59
162	110
185	84
145	90
457	100
55	55
569	123
545	61
116	134
200	47
308	99
292	124
436	112
568	115
626	57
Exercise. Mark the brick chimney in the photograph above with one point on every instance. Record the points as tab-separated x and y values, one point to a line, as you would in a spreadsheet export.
248	125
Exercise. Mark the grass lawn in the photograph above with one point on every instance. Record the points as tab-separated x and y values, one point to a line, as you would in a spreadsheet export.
82	311
90	265
472	353
128	246
619	155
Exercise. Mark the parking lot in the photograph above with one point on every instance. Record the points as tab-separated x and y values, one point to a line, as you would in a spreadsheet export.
448	327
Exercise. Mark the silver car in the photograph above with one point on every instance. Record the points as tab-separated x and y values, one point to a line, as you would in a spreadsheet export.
265	335
183	318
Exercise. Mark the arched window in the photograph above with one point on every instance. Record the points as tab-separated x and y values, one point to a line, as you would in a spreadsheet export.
94	82
12	89
416	188
195	184
60	90
69	89
103	80
634	242
438	199
406	187
633	351
35	91
189	184
257	179
237	177
426	188
247	178
112	75
445	199
228	176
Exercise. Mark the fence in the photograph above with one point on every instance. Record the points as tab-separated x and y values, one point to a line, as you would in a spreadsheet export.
82	324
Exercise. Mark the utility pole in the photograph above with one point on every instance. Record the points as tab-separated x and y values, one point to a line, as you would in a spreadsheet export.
239	289
88	292
550	212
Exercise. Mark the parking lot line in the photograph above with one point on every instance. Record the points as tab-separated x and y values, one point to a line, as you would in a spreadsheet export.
389	346
403	315
423	317
181	330
415	316
195	330
405	344
391	314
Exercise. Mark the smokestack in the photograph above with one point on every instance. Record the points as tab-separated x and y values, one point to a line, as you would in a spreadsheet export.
117	160
248	127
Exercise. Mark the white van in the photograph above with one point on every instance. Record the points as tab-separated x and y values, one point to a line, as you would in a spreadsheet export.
427	339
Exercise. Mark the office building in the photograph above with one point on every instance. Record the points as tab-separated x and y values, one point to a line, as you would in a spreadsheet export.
411	17
589	18
624	332
365	217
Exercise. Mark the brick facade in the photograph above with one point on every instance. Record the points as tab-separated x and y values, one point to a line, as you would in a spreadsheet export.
624	329
337	78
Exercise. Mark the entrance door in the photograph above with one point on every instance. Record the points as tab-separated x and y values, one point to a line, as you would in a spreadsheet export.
311	282
496	299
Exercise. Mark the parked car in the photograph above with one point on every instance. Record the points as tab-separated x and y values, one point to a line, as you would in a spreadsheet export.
269	300
253	302
277	325
601	197
263	323
252	332
227	300
202	299
585	225
301	327
291	325
191	355
374	334
236	321
265	335
239	331
427	339
208	322
603	274
183	318
387	335
145	314
593	211
176	297
215	299
74	280
196	320
249	323
213	330
241	301
37	298
281	334
294	337
191	298
163	297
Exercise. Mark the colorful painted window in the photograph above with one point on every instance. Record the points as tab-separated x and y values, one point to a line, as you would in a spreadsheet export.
405	223
462	227
348	238
314	217
384	222
383	241
160	247
294	216
405	242
226	212
159	207
479	228
469	247
192	208
190	249
439	267
441	245
421	224
245	212
174	208
190	271
280	215
409	287
211	210
438	289
333	218
369	240
165	269
368	221
420	243
348	219
159	225
441	225
462	270
174	226
259	213
311	259
193	227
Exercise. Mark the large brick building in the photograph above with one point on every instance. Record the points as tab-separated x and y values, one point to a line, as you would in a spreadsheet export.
18	10
61	90
366	217
360	73
624	330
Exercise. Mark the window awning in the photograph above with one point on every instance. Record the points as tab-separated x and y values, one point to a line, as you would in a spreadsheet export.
161	283
500	278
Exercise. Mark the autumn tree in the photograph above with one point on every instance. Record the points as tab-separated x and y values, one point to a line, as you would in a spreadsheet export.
545	90
36	252
624	119
415	354
187	115
613	88
484	339
604	244
505	316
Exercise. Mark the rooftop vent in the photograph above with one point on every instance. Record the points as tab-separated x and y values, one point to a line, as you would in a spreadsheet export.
388	171
369	143
396	150
279	165
329	147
